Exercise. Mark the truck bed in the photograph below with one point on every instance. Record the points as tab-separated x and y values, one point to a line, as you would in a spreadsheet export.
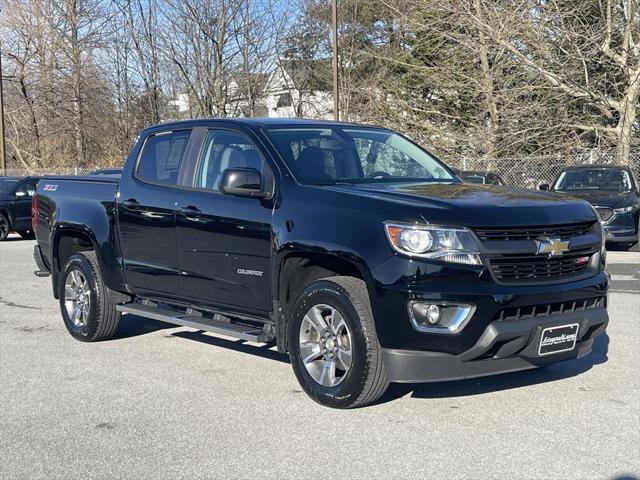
75	201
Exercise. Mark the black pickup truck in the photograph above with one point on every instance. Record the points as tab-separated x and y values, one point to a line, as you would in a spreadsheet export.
351	247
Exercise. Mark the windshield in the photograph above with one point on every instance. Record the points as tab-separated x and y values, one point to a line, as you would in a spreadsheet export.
474	179
6	185
594	179
334	154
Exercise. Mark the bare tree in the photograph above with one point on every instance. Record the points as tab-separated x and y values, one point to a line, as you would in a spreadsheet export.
143	31
589	51
78	26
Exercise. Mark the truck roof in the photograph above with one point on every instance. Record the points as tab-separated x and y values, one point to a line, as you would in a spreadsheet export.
598	166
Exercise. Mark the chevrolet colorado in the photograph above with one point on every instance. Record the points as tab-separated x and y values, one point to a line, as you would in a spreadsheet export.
355	250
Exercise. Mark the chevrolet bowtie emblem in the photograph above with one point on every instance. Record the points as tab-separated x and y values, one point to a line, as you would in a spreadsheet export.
553	246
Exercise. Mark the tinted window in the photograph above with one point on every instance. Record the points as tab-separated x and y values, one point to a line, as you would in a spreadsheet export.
161	157
7	185
337	154
594	179
28	187
224	149
474	179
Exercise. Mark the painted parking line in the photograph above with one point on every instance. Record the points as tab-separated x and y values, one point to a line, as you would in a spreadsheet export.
624	278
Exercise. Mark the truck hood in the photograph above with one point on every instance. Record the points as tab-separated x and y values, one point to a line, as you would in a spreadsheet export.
477	205
603	198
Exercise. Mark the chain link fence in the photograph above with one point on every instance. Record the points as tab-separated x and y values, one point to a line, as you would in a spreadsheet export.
41	172
531	171
524	172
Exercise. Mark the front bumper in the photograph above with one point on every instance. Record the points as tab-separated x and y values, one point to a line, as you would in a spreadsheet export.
622	228
504	346
621	235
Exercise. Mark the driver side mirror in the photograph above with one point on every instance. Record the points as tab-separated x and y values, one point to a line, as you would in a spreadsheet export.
21	193
242	182
544	186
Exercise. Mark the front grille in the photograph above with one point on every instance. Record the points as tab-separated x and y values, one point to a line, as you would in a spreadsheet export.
523	268
546	309
532	233
605	213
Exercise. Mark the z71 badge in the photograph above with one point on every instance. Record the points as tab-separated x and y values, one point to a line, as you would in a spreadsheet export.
50	187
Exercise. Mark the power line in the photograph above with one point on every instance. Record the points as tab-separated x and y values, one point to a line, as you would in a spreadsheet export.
3	149
334	19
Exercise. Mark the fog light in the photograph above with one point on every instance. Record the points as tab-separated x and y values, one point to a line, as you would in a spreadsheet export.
441	317
433	314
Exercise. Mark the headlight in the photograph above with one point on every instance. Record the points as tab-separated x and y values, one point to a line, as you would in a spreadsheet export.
455	245
632	208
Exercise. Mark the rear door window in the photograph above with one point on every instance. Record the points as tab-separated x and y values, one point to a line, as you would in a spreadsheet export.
162	157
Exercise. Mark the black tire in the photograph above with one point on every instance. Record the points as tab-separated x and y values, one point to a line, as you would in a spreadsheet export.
103	318
26	234
366	380
5	227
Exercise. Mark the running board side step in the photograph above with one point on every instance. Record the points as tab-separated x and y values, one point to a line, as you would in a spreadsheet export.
177	317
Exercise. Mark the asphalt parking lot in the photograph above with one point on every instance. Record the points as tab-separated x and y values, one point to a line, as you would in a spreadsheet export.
168	402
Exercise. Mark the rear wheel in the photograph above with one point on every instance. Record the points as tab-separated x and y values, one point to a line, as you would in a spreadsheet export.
84	304
334	348
5	227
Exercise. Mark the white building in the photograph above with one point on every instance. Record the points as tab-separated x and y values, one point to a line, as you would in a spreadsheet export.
295	88
298	89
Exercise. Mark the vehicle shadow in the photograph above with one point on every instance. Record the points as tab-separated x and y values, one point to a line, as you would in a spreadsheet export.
506	381
612	247
264	351
133	326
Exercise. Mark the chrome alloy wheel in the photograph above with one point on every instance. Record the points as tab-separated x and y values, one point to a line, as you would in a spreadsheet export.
325	345
77	298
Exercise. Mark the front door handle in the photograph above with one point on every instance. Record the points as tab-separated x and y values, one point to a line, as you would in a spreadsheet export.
190	211
131	204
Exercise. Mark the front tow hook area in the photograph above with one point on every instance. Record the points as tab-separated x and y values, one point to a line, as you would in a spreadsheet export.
505	346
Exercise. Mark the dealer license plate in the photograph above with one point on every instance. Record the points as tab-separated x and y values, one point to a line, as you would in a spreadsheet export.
558	339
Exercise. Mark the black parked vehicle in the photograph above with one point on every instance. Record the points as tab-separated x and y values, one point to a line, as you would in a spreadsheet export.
614	192
485	177
15	205
354	249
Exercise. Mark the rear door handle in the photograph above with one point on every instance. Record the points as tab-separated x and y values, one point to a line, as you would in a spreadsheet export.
131	204
190	211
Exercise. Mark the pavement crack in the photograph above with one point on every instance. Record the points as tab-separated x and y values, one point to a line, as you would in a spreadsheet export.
106	426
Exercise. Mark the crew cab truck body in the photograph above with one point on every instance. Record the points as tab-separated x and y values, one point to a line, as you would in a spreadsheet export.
349	246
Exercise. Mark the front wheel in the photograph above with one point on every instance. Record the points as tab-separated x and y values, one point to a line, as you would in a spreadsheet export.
84	303
334	347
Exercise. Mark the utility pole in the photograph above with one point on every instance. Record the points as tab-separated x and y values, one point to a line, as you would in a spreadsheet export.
3	149
336	102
